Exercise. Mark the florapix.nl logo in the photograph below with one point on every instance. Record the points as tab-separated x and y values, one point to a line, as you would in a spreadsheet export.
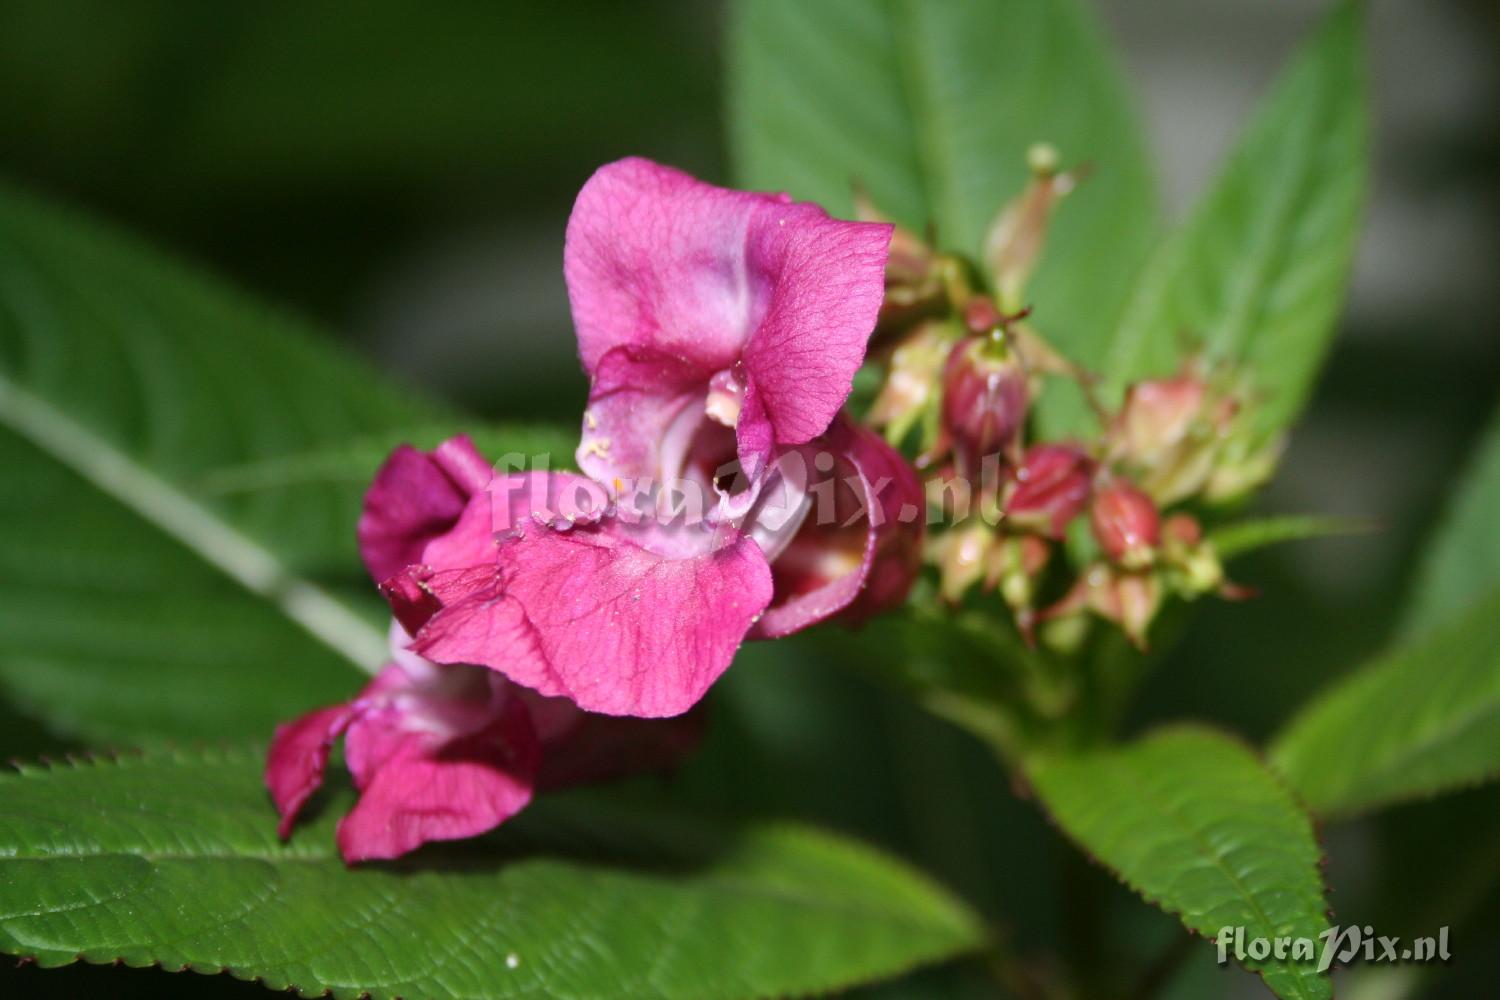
1335	946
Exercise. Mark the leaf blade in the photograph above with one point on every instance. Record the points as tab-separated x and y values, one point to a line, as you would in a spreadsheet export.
1421	720
1462	559
183	847
931	107
1191	793
1259	268
128	388
1241	537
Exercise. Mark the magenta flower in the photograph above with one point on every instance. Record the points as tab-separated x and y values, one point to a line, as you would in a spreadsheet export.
437	753
446	752
628	616
721	331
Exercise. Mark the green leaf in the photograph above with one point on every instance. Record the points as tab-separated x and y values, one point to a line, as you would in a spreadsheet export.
1241	537
1462	560
176	862
1258	271
1189	818
142	598
932	106
1424	719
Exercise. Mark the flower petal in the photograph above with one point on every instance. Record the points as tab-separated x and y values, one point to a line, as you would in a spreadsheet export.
590	615
461	561
858	551
811	338
420	785
298	757
656	260
415	497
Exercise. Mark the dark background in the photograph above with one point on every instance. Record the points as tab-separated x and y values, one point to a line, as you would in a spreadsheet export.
402	174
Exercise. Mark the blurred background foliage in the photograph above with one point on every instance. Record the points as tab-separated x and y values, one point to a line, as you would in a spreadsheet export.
402	174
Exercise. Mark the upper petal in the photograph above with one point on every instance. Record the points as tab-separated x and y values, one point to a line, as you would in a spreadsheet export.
590	615
811	338
657	259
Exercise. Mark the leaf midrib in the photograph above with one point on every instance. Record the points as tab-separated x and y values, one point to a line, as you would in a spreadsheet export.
178	515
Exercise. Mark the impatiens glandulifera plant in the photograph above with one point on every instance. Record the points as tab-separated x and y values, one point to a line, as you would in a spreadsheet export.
956	398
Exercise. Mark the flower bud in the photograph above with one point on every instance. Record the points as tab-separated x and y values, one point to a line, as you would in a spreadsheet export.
985	397
1126	525
1157	416
911	380
1015	565
1052	487
1130	599
1242	467
1016	237
964	556
1192	566
1188	436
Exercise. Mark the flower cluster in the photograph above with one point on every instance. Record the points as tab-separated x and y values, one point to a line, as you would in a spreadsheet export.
724	495
558	627
964	369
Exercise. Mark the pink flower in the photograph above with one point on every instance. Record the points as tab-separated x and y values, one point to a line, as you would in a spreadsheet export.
721	331
715	325
446	752
625	615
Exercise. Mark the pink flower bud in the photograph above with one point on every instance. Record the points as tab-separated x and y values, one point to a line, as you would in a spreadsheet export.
1014	243
1157	416
1052	487
1128	599
1126	525
985	398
